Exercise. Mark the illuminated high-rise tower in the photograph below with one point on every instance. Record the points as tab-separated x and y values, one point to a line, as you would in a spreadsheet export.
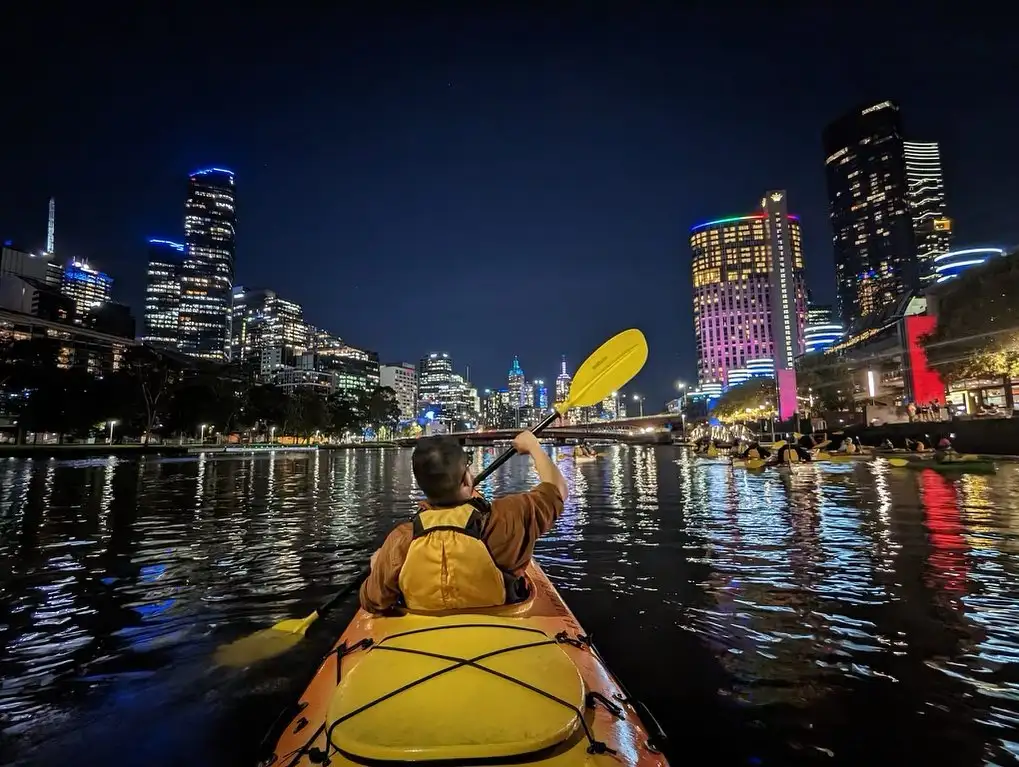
747	283
562	383
162	293
872	227
208	274
515	384
540	395
51	227
926	186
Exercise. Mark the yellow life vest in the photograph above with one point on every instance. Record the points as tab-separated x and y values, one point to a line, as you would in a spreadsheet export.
449	567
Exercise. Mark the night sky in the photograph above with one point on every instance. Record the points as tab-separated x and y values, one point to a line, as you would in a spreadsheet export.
483	183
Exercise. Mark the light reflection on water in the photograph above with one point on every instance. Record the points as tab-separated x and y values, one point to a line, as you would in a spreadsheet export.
847	611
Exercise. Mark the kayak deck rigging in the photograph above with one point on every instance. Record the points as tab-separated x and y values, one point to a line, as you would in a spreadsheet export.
565	689
519	684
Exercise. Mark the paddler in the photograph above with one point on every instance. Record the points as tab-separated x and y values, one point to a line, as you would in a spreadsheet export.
461	552
796	453
755	452
944	452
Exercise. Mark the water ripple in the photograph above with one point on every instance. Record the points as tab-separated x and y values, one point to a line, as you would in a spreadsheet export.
824	616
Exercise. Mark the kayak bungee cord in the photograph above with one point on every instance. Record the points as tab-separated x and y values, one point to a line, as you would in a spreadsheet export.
595	746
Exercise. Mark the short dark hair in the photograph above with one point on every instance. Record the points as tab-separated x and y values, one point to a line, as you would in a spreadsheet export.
439	464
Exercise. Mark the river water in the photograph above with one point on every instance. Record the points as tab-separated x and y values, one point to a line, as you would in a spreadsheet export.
849	614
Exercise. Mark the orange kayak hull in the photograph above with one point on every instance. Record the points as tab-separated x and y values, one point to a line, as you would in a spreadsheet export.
625	729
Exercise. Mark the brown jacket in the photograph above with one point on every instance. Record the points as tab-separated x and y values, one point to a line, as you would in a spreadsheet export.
515	523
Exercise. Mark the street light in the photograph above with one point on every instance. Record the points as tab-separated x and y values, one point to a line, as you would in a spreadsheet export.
639	399
680	385
112	422
201	439
683	416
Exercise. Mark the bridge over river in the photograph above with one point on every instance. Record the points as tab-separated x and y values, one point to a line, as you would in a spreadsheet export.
644	430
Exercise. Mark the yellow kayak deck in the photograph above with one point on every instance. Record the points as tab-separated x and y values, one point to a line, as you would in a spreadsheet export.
517	685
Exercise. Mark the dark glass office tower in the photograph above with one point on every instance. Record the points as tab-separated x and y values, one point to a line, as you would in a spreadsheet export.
872	228
208	275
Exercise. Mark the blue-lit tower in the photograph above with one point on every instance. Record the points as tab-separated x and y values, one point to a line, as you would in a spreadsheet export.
208	272
162	293
515	384
823	329
87	287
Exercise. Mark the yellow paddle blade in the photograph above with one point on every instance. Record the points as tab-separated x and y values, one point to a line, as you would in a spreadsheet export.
755	463
898	462
609	369
264	644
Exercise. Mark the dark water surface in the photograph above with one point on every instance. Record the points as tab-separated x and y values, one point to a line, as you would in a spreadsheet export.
850	614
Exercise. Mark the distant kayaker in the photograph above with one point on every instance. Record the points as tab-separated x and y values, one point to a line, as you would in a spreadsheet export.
793	454
460	552
754	452
944	450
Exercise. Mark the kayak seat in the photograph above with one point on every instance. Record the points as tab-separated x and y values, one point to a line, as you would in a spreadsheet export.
455	688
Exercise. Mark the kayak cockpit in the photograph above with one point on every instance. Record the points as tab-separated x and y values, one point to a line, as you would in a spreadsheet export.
457	688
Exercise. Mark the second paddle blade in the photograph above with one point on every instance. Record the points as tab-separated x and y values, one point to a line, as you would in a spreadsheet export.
262	645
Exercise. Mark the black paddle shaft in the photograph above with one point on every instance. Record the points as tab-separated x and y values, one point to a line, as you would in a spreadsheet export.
340	595
487	471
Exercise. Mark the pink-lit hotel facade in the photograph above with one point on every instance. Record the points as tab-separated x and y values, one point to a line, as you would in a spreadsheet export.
748	293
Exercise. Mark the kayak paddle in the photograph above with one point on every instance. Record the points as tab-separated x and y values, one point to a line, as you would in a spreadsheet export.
608	369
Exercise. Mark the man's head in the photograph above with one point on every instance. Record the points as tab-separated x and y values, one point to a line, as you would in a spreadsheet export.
442	470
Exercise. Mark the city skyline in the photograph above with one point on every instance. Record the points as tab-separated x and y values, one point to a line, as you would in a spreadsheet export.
328	208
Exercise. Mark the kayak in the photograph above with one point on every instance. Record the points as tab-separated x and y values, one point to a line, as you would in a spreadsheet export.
586	458
954	467
519	684
740	463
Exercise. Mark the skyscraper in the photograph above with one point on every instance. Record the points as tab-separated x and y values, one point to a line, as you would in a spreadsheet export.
515	384
401	377
87	287
872	228
261	320
208	274
823	329
540	395
734	276
562	383
931	226
162	293
435	376
51	227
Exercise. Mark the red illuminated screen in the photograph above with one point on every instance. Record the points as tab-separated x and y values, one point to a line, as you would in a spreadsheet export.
926	384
